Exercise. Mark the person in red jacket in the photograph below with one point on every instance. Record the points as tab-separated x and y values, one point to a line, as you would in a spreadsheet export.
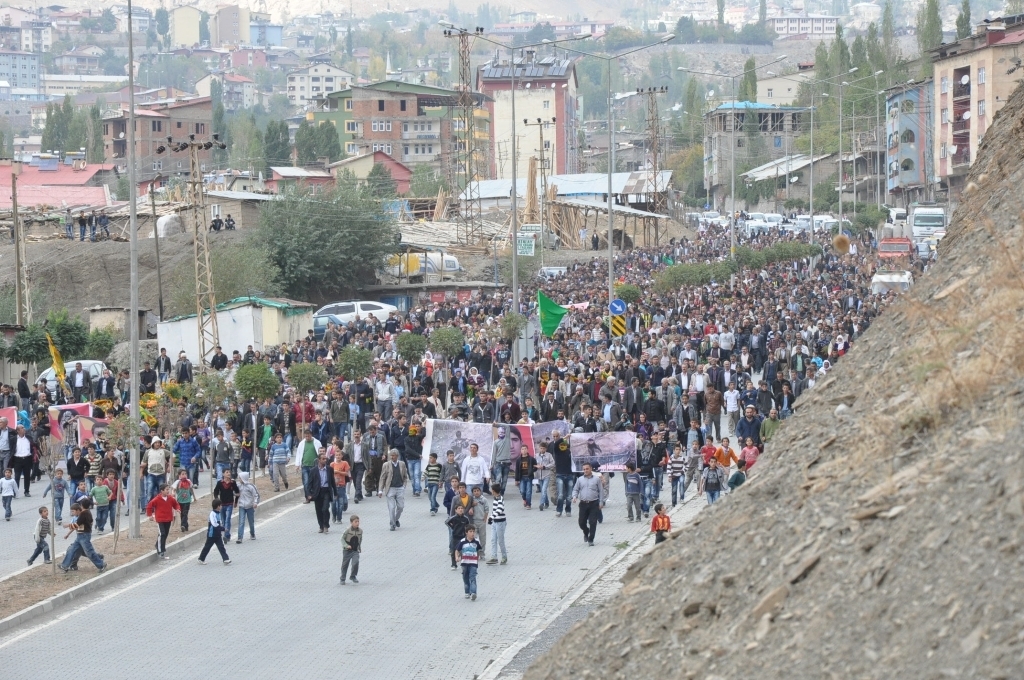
163	508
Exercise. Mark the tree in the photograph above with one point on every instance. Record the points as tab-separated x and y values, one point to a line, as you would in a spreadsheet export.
425	181
306	378
96	153
256	381
325	243
246	143
163	23
305	144
327	143
411	347
379	182
890	47
29	346
447	341
101	342
839	54
70	334
748	83
542	31
963	20
276	147
204	28
629	293
333	33
721	13
108	22
512	326
354	362
238	271
219	126
762	11
929	32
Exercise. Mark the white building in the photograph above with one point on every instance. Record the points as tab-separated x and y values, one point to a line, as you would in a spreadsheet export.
36	36
815	25
316	81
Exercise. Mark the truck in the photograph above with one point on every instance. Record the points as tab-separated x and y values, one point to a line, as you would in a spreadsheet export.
925	219
424	266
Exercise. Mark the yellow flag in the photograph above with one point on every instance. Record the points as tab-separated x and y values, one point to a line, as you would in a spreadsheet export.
58	362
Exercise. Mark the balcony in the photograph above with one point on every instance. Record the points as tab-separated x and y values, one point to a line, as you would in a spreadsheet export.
415	135
961	158
961	126
961	91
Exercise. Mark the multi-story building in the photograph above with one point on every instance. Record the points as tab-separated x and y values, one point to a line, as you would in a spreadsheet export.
784	89
813	25
727	143
973	79
155	122
237	91
909	168
142	19
184	21
20	69
315	82
81	61
249	58
36	36
545	90
58	85
563	29
229	25
266	34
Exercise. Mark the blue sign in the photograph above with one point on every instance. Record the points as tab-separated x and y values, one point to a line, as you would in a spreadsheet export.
617	307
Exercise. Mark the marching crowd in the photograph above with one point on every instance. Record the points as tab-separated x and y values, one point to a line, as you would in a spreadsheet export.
704	377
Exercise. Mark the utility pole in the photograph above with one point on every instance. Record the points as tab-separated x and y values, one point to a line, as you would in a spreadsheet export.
464	151
134	453
540	125
653	145
156	246
21	292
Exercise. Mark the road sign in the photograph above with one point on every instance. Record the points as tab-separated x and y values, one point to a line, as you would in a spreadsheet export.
617	307
618	326
524	246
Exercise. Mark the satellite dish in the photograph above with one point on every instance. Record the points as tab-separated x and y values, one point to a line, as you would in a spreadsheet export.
966	79
794	179
528	86
120	135
711	93
966	116
953	148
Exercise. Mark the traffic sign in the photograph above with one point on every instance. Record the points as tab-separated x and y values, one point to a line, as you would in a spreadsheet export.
617	307
525	246
618	326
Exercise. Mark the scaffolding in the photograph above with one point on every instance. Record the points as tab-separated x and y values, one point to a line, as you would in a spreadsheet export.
462	163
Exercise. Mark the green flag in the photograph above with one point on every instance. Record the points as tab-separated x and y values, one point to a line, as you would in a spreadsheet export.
550	314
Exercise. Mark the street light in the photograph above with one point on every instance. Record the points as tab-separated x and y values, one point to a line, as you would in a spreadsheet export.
611	150
732	152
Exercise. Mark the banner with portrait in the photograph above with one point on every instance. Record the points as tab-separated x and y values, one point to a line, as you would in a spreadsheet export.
544	433
91	428
11	414
64	415
454	435
608	451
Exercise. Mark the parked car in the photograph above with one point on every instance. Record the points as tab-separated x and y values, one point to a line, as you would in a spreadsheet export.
320	322
348	310
94	368
550	273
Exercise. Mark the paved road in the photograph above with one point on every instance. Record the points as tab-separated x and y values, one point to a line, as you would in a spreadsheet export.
279	605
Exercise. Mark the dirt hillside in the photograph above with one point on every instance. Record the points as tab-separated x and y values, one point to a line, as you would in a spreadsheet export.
881	534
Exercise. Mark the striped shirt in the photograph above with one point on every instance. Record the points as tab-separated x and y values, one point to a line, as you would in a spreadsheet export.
498	509
433	473
677	466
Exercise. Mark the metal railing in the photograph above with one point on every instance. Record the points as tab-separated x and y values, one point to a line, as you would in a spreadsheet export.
961	158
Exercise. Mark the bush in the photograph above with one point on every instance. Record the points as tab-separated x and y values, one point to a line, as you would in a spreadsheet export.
257	381
447	341
354	363
628	293
411	346
71	335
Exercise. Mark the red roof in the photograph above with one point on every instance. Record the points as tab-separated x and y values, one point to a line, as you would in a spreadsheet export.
234	78
64	176
56	196
1011	38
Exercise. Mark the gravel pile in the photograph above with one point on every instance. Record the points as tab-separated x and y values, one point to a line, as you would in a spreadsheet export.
882	533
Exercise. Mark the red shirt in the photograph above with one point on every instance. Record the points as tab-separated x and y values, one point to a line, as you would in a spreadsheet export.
708	452
162	508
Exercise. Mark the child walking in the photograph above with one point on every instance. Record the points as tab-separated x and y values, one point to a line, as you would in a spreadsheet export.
352	539
42	533
185	494
163	508
8	490
214	534
457	525
661	524
496	518
467	552
60	487
82	523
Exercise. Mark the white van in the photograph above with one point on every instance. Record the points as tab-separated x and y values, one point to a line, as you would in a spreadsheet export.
93	368
348	310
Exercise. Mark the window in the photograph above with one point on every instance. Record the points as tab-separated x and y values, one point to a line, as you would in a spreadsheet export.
908	106
944	85
348	104
373	126
157	125
329	79
351	126
907	137
106	129
739	142
547	144
981	107
770	93
388	123
380	104
315	79
178	124
351	148
200	128
158	165
430	148
907	165
547	103
942	150
401	105
387	150
945	116
405	149
981	75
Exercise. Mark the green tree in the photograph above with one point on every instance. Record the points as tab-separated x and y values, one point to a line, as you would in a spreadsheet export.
839	54
629	293
447	341
246	143
748	83
411	347
542	31
108	22
354	362
70	334
890	47
512	326
963	20
276	147
257	381
78	132
379	183
762	11
238	271
327	242
96	152
425	181
101	342
721	13
29	346
305	144
929	32
204	28
163	23
306	378
219	126
327	142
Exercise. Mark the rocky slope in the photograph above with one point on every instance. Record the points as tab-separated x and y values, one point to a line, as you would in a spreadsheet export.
881	535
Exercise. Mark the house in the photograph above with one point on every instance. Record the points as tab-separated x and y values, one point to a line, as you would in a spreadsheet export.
285	178
36	36
257	321
46	181
812	25
229	25
184	21
783	89
546	90
243	206
266	34
362	56
81	61
237	92
315	82
248	57
142	19
283	58
360	167
20	69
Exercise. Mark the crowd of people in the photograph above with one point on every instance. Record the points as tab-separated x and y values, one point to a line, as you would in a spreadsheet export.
704	377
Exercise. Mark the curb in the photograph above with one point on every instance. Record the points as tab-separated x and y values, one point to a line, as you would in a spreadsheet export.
494	669
122	572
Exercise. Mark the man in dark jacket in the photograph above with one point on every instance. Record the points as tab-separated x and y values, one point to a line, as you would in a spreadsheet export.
564	478
147	379
320	490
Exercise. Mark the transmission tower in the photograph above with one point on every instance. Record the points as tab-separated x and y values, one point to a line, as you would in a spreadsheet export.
657	204
206	301
463	172
23	308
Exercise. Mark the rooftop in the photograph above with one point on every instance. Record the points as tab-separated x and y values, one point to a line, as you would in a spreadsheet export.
63	176
290	172
782	166
588	183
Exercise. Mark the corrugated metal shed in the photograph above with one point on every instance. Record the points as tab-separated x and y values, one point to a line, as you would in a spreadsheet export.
779	167
588	183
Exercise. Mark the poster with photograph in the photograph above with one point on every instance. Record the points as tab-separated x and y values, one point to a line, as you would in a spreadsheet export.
455	435
544	433
610	451
517	436
64	415
91	428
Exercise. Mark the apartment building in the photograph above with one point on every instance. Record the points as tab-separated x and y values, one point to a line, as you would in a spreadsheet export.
229	25
184	23
314	82
909	145
813	25
36	36
154	123
973	79
237	91
81	61
20	69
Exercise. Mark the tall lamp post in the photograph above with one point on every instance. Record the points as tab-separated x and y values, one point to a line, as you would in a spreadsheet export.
611	150
732	152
